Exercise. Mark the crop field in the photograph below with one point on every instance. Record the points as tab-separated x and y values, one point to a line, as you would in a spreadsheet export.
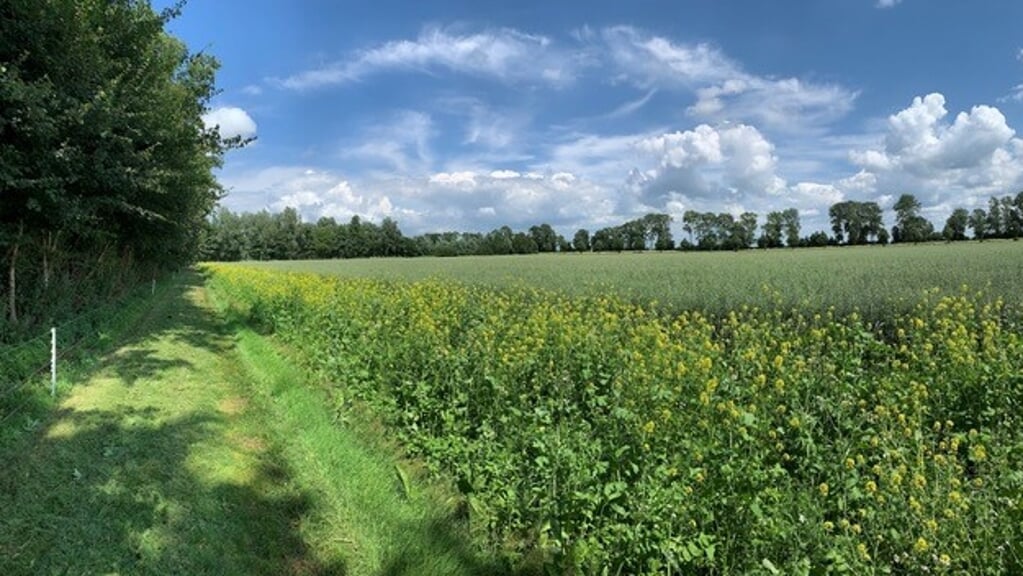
592	434
876	281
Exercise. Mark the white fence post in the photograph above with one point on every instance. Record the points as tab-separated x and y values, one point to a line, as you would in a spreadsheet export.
53	361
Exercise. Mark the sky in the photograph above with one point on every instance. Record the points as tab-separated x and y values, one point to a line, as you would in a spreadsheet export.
469	115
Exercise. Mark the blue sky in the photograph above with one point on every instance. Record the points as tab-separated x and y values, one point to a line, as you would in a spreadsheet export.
460	115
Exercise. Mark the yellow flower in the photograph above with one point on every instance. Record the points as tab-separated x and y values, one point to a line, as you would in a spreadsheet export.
921	545
823	489
871	486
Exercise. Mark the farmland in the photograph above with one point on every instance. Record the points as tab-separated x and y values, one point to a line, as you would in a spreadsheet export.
877	281
718	432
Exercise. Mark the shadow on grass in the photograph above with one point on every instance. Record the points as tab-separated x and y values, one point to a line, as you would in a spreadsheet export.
116	495
118	490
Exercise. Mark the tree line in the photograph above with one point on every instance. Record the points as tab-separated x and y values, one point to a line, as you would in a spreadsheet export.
106	167
283	236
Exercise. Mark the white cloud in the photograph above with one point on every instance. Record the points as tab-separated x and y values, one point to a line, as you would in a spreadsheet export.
232	122
707	161
504	174
724	91
441	201
467	179
731	168
503	54
252	90
887	3
943	162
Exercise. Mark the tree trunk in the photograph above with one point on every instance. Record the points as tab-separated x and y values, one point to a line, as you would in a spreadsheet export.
49	255
12	273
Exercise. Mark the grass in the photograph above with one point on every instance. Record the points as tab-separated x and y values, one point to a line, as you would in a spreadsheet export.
876	280
195	448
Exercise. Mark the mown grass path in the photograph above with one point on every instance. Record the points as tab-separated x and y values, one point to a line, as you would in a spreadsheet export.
191	449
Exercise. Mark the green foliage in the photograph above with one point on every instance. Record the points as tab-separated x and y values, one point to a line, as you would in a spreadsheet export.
856	222
103	151
605	436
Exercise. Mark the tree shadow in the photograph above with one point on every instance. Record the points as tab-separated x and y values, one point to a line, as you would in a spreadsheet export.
414	557
134	364
113	492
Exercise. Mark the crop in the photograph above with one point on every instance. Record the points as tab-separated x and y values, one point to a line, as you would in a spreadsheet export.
596	435
877	282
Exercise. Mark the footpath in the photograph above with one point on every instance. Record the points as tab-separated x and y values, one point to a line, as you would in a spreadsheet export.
193	448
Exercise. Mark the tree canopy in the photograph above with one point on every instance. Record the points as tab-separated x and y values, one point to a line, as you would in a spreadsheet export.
103	151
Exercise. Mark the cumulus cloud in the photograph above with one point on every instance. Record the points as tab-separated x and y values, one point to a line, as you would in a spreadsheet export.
730	167
503	54
965	159
709	162
232	122
724	91
464	200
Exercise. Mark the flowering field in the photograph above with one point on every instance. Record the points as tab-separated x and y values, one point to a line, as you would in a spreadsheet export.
876	281
599	436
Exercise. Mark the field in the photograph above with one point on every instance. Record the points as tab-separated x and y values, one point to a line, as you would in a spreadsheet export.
878	281
717	433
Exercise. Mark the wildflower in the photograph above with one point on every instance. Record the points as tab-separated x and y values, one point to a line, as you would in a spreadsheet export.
823	489
921	545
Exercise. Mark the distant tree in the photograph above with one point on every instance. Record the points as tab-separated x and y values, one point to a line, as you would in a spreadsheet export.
523	243
955	225
563	244
791	225
995	226
608	240
689	219
817	239
978	222
745	230
581	240
856	222
635	233
909	225
771	236
658	231
545	238
1012	209
500	241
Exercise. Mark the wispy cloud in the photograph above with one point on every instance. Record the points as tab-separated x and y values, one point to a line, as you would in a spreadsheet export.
887	3
633	106
502	54
400	144
724	91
